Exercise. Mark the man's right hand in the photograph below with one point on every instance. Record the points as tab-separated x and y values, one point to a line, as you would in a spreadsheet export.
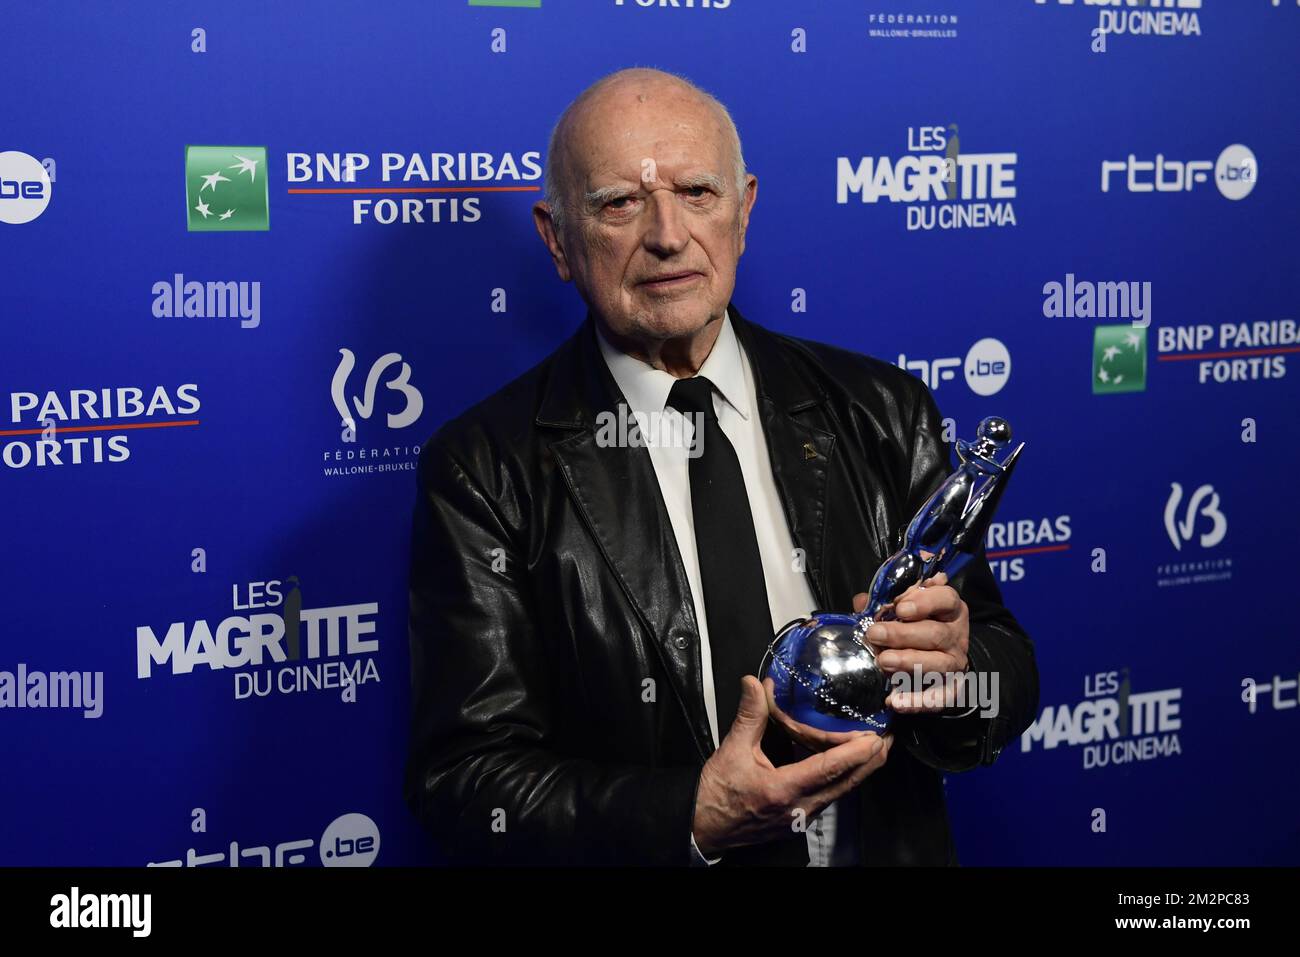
743	799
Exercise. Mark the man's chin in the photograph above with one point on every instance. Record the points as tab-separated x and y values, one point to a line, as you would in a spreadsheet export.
674	320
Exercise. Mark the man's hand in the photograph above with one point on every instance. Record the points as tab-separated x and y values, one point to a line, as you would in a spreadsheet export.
932	630
743	799
814	739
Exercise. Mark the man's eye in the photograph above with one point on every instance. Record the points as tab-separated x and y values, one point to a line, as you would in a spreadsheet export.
697	192
614	203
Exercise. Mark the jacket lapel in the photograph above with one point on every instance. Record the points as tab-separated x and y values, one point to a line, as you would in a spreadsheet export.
800	443
639	546
642	553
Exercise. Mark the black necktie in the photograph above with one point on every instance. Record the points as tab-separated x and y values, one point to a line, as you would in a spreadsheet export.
735	592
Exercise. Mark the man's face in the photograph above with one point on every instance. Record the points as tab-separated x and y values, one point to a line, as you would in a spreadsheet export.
655	223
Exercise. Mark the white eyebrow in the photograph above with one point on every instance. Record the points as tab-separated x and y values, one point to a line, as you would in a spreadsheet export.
599	197
711	180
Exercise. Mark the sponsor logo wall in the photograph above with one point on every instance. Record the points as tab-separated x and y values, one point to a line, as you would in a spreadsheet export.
237	303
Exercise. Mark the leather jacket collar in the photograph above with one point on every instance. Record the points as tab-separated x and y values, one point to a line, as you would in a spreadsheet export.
800	445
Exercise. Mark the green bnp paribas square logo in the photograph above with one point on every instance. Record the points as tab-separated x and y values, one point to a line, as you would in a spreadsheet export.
1119	359
225	188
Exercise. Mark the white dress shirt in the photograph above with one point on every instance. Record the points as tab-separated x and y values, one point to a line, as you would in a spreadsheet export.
788	594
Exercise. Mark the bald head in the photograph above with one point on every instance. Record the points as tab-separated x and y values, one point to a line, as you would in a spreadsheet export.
621	92
647	203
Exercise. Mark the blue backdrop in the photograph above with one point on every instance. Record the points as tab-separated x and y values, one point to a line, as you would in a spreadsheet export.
177	470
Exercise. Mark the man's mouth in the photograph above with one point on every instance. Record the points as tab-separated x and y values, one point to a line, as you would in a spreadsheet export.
671	280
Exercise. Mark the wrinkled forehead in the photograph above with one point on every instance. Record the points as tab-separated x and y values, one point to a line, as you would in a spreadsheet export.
619	132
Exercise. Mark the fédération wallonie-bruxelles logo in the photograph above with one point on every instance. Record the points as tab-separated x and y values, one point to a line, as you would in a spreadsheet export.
226	188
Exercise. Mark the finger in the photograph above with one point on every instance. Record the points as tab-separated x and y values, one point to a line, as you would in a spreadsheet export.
934	581
860	599
822	770
937	602
925	699
911	592
919	635
814	739
818	802
751	715
908	659
929	701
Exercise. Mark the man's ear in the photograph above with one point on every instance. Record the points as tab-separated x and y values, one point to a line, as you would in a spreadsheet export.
546	229
747	200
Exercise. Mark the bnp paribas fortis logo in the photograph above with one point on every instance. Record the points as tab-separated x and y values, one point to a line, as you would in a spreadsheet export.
225	188
1119	359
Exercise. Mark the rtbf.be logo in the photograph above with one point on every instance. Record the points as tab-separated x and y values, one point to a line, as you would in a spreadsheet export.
225	188
24	187
1235	173
987	366
350	840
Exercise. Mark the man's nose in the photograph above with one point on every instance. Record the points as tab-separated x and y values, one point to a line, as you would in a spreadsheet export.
666	232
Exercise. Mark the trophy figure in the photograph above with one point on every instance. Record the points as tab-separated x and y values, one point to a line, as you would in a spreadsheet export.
823	670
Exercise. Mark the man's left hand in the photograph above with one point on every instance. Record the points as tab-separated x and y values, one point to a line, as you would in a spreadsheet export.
931	630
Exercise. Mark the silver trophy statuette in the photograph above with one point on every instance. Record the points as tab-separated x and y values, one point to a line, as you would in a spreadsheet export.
823	671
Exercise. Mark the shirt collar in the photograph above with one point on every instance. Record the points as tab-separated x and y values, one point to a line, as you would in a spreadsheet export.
646	388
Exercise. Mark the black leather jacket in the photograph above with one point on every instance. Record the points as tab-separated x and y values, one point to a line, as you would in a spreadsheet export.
546	588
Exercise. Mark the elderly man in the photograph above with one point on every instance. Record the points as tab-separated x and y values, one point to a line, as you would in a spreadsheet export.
588	609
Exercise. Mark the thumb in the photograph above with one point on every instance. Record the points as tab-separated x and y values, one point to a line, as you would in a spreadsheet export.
751	715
